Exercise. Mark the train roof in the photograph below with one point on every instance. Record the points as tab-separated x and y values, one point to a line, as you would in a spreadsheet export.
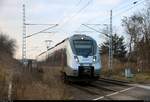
53	46
41	53
73	37
82	36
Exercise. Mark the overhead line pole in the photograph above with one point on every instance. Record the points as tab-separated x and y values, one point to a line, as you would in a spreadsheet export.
110	46
24	59
23	36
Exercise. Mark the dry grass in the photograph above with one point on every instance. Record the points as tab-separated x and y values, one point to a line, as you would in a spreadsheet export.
118	71
7	66
41	86
141	78
30	85
3	84
118	67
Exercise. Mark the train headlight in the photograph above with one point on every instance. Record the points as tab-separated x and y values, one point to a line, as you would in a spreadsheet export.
76	58
94	58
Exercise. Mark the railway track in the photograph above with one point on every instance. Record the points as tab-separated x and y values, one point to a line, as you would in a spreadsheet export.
102	87
112	81
98	88
121	81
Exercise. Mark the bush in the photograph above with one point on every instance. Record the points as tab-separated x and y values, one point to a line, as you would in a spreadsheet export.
7	45
7	63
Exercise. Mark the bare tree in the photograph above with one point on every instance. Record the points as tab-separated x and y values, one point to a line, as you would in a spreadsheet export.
138	28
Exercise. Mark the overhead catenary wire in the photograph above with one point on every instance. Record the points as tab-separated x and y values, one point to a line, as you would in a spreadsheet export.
121	10
96	30
79	2
88	24
125	10
37	24
42	31
138	3
120	6
71	9
75	14
114	8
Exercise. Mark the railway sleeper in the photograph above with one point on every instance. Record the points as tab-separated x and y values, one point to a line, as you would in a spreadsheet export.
113	82
103	88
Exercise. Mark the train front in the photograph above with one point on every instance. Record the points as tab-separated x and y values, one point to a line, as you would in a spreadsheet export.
86	62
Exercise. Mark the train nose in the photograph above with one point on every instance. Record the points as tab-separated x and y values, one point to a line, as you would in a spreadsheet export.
85	59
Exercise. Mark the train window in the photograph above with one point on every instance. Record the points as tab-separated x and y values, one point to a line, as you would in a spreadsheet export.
83	47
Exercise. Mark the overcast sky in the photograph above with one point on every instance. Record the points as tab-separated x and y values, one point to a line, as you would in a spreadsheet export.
69	14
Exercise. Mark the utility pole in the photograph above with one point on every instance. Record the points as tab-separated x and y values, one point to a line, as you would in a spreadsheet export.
108	33
110	46
48	43
23	37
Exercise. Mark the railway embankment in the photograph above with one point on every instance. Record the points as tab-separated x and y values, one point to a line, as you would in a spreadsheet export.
138	74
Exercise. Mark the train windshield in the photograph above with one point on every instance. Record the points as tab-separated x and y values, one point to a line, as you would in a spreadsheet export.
84	47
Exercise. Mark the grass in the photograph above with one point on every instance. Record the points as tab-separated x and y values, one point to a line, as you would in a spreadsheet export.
41	86
118	70
31	85
141	78
5	71
3	87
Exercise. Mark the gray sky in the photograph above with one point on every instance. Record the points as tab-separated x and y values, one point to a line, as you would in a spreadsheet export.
69	14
